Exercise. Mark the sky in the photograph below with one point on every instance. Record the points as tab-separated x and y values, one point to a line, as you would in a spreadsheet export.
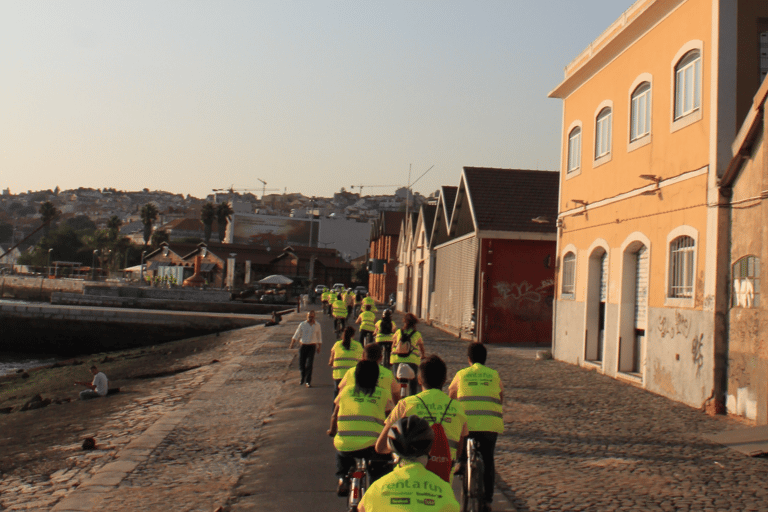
307	96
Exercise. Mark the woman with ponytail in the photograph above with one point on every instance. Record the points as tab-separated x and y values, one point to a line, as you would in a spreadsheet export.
345	354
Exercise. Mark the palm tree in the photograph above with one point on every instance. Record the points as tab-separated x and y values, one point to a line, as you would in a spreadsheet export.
113	225
223	214
148	216
208	215
48	213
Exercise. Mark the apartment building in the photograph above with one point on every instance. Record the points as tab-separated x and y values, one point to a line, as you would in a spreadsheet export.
650	110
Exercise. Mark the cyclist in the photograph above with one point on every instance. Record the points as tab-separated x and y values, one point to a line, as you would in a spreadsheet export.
357	421
373	352
358	301
410	486
326	298
368	300
339	309
383	332
408	348
431	404
349	300
480	391
344	355
367	321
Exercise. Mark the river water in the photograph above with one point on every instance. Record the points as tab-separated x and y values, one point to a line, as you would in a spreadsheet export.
12	361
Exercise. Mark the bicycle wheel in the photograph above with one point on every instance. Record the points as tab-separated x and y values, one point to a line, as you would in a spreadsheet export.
472	486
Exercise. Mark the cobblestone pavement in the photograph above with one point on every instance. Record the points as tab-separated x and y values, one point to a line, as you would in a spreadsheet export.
574	440
182	447
577	440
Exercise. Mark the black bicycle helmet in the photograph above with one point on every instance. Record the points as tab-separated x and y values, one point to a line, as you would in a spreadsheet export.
411	437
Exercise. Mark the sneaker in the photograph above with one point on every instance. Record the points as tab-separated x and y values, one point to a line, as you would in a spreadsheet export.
343	488
309	385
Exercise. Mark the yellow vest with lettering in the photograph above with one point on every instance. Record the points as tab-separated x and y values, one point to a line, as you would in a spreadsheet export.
436	401
344	359
361	418
411	487
480	394
385	337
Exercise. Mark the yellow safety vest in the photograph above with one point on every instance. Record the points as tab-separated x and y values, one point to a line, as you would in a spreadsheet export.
385	337
361	418
339	309
415	357
385	378
368	319
480	394
436	401
411	487
343	359
369	300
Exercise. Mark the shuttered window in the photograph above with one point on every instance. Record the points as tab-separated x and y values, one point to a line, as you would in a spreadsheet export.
604	278
569	276
641	288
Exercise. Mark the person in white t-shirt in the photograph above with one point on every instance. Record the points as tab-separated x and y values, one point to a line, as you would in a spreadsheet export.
97	388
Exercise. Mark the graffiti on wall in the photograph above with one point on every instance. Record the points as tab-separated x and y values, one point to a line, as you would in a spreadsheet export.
523	299
680	327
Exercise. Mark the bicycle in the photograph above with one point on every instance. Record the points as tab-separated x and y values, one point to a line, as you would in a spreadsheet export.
359	480
404	375
338	326
472	486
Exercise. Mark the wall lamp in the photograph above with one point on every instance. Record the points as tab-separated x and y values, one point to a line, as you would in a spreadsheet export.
540	220
580	201
651	177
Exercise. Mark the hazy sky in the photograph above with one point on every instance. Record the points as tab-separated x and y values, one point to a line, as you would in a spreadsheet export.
309	96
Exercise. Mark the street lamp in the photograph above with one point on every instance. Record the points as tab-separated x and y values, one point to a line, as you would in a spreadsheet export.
49	260
141	267
93	265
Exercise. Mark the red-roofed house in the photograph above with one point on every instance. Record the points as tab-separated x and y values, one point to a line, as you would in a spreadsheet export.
494	252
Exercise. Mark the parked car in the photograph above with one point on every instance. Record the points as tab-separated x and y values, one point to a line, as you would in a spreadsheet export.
319	289
361	289
339	287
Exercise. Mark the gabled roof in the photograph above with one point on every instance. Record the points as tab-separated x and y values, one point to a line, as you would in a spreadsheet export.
448	198
443	211
508	199
388	224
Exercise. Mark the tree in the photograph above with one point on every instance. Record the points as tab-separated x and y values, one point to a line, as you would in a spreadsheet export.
158	237
148	216
81	223
113	225
223	214
208	215
48	212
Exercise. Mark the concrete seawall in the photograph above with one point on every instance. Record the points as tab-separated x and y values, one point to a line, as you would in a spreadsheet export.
71	330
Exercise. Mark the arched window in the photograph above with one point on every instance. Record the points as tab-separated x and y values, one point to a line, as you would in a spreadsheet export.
640	118
688	84
569	276
574	150
603	133
746	282
682	252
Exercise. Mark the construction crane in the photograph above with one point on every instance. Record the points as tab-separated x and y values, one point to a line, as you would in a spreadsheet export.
372	186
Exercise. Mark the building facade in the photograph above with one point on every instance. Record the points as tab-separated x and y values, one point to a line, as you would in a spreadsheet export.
650	109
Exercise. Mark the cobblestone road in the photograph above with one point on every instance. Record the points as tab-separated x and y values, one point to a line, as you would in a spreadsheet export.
574	440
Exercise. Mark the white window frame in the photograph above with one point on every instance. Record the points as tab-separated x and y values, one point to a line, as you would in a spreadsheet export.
681	267
687	67
568	277
602	145
640	112
573	161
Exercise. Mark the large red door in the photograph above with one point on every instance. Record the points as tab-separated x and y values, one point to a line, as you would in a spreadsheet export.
517	280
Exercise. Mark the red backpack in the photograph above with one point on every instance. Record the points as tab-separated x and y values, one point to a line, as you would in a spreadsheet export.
440	461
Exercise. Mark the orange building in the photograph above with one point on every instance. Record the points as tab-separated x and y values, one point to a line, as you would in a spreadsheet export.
650	110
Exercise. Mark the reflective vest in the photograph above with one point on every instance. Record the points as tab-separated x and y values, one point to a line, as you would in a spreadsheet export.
415	357
385	337
339	309
411	487
343	359
361	418
480	394
369	301
436	400
385	378
367	321
326	295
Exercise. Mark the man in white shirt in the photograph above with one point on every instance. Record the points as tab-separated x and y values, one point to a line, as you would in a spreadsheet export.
97	388
310	338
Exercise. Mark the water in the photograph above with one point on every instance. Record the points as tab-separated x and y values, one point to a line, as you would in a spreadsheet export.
12	361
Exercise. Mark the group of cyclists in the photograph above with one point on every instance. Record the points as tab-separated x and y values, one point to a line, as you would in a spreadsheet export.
421	433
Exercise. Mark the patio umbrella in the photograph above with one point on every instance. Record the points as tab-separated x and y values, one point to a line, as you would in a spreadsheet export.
276	279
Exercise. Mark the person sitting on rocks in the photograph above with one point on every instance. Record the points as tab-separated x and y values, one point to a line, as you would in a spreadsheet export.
97	388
